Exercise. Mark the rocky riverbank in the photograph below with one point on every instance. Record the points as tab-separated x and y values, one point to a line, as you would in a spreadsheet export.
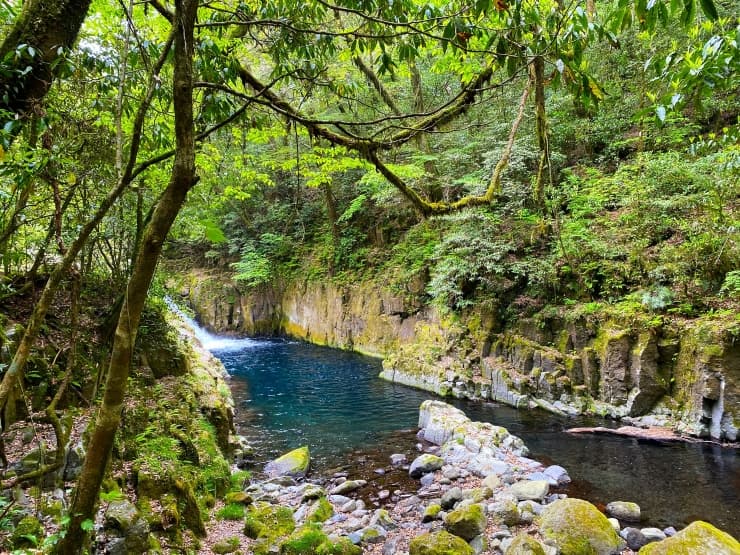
477	492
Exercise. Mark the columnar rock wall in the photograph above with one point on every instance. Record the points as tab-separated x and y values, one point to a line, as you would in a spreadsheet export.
684	374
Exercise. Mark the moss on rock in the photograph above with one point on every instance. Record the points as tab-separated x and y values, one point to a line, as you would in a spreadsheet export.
698	538
439	543
579	528
310	539
27	533
466	522
294	463
524	544
268	522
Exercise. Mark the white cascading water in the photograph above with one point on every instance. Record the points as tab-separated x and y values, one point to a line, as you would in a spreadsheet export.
715	428
211	342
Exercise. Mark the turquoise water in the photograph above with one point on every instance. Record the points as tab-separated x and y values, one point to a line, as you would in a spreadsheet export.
290	394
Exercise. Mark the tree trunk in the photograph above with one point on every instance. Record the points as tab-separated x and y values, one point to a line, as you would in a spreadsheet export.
182	179
44	25
537	77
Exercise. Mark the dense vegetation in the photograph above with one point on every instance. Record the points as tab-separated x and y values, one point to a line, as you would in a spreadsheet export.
521	154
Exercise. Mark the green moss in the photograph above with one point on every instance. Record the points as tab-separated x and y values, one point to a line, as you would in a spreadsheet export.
466	522
320	511
439	543
524	544
228	545
579	528
698	538
27	533
268	521
293	463
232	511
311	540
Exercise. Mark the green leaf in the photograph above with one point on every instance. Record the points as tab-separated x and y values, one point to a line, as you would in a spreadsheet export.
87	525
709	9
212	232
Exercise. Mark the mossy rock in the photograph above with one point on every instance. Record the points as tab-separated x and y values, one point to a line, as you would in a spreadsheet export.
466	522
524	544
698	538
241	497
294	463
320	511
310	539
269	522
227	545
579	528
439	543
28	533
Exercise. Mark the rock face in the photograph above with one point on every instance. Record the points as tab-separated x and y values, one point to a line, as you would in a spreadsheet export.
604	363
698	538
578	528
295	463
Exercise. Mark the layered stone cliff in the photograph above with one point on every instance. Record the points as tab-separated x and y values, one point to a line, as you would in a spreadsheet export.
642	368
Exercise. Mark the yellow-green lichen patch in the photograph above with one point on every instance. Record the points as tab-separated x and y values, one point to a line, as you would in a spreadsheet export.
310	539
698	538
579	528
294	463
439	543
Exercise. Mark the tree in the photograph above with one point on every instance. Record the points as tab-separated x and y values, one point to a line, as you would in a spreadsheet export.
31	53
182	180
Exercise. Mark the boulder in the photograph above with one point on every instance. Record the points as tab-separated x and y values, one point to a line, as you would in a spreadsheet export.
450	497
424	464
524	544
439	543
347	486
466	522
557	473
431	512
698	538
121	515
635	538
579	528
530	490
294	463
504	512
624	510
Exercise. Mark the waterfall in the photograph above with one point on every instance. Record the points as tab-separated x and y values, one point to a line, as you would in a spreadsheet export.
715	426
211	342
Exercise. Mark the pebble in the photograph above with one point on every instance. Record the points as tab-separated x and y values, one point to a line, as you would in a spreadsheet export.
635	538
653	534
398	458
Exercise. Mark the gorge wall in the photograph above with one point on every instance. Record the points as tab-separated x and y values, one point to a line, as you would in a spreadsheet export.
641	368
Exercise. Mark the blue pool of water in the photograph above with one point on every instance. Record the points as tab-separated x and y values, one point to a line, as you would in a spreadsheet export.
290	394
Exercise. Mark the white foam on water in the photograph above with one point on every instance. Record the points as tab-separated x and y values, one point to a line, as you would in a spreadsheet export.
212	342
